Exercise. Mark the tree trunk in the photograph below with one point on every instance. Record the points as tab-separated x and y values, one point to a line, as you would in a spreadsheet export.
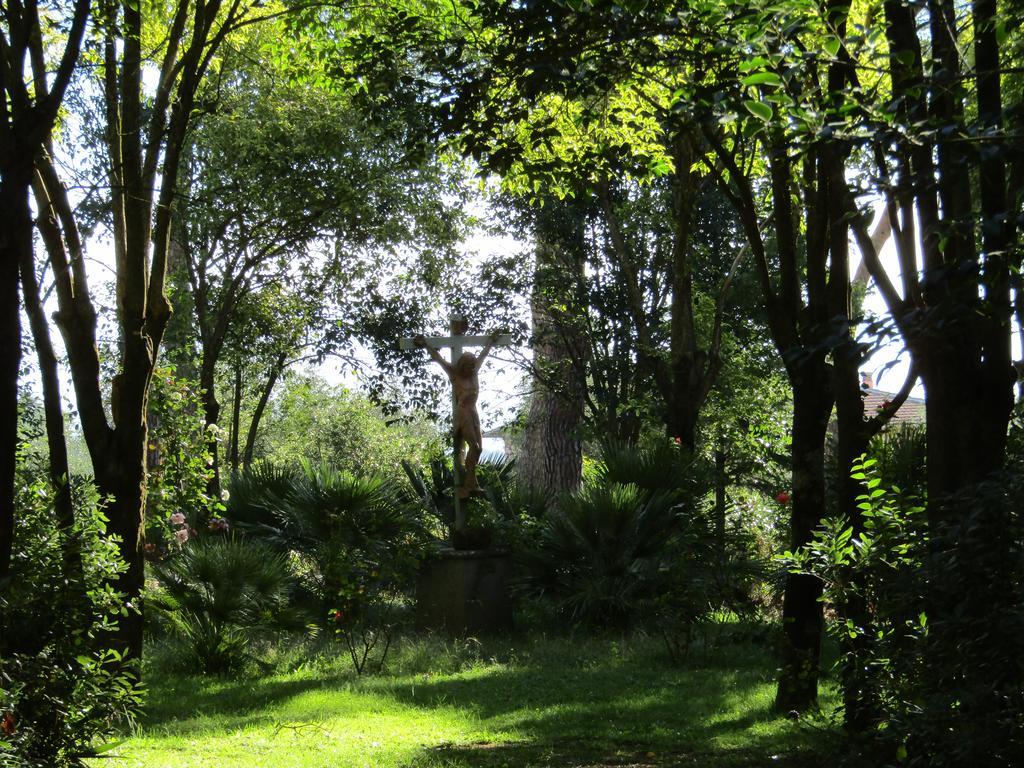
802	619
121	478
15	242
49	374
236	412
551	459
860	709
967	421
691	371
261	407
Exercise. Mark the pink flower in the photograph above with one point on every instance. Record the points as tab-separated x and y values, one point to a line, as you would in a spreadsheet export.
218	524
783	497
181	535
677	440
177	519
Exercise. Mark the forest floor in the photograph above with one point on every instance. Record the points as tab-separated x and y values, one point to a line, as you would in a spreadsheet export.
571	701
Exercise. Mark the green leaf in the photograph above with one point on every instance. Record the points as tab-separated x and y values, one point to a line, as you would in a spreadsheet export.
754	63
832	45
96	751
762	78
759	109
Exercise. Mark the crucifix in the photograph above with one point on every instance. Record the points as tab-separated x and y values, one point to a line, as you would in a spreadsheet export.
462	371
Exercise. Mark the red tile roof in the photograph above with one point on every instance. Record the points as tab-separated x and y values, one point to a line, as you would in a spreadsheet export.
911	412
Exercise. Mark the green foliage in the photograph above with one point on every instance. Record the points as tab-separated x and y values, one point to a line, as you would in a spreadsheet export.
901	452
636	545
602	550
935	647
495	516
63	691
181	466
659	465
318	422
355	540
220	594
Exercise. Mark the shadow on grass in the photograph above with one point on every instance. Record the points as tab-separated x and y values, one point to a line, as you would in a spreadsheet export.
578	754
657	706
177	698
555	709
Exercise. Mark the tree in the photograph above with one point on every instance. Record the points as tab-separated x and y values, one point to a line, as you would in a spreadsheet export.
34	76
289	183
943	155
143	138
551	459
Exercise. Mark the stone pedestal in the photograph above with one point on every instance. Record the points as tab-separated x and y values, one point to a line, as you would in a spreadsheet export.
465	592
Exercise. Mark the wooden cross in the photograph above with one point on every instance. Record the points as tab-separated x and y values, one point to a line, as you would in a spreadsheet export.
457	342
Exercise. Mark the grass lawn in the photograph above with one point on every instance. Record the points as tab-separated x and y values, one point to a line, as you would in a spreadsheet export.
568	701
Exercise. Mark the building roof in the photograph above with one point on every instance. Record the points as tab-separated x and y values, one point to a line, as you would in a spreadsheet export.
911	412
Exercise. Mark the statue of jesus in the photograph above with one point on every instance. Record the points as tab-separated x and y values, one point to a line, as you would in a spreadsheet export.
463	374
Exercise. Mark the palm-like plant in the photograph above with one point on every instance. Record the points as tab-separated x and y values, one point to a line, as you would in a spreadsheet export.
218	594
659	465
499	491
353	535
256	494
601	549
901	451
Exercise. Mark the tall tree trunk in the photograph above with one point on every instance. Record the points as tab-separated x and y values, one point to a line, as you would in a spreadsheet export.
261	407
121	479
15	248
551	459
852	441
802	618
56	444
28	111
236	413
692	370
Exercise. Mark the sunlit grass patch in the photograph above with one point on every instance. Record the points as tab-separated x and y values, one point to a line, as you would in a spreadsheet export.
518	702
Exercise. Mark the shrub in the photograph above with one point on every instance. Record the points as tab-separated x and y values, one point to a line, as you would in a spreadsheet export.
218	595
936	658
600	552
494	516
62	689
637	545
180	462
356	538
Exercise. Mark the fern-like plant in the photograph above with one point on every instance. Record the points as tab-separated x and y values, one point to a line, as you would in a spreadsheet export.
601	550
219	594
355	537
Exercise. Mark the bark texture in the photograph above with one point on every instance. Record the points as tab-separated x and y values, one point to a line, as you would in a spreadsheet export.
551	458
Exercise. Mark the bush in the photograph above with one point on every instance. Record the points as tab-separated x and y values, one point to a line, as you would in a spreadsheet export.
180	462
320	423
63	690
356	539
602	553
936	658
635	545
495	516
219	595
